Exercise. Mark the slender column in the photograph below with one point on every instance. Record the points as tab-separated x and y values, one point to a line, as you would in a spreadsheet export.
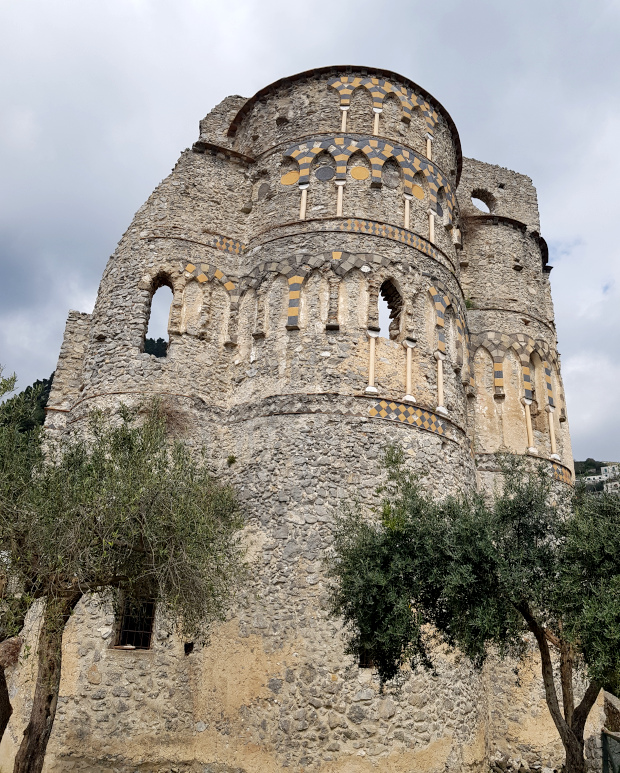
340	189
259	325
375	128
372	341
440	357
343	125
429	147
407	209
304	202
554	449
431	226
409	344
531	448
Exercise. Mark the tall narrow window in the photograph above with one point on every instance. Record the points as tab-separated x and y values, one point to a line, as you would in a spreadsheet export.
136	628
390	308
156	339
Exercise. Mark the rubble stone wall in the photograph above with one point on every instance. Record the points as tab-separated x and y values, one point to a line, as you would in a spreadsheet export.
268	361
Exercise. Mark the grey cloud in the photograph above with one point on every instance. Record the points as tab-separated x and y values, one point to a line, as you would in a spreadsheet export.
100	99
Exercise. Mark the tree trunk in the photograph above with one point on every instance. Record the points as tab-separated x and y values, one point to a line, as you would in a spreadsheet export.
575	760
5	704
31	754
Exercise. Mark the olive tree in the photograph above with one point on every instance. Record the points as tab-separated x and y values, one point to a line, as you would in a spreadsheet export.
478	575
119	507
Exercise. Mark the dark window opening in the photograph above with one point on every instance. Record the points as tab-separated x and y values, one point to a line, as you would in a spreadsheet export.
390	308
365	660
136	628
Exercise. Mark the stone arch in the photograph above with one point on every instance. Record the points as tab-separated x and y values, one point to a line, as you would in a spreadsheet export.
360	113
321	191
441	207
537	409
206	272
314	301
193	317
276	291
451	336
513	412
379	88
392	114
487	418
440	301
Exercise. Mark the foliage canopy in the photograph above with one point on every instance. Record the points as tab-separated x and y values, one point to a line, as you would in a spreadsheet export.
479	575
118	507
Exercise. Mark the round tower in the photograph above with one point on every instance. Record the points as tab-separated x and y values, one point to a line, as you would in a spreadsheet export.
297	215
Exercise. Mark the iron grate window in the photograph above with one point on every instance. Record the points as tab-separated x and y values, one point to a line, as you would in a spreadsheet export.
365	661
136	628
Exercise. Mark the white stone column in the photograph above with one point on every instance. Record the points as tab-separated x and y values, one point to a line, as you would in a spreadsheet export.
431	226
441	409
408	198
429	147
372	343
531	448
343	125
375	128
409	344
340	193
304	202
554	449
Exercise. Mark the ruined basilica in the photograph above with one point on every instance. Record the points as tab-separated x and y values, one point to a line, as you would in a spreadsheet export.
295	216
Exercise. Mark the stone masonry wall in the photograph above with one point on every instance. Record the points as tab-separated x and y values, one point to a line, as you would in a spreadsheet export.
269	362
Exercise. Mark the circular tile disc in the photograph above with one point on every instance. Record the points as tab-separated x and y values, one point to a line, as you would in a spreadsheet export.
290	178
360	173
324	173
417	192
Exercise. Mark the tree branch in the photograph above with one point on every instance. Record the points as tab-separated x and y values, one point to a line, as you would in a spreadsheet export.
566	680
582	711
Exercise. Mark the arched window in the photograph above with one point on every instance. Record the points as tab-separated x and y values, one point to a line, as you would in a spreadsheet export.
483	200
390	309
156	339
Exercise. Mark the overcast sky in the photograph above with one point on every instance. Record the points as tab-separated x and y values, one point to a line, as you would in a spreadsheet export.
98	97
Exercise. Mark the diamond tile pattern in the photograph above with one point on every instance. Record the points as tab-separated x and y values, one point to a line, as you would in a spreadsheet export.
408	414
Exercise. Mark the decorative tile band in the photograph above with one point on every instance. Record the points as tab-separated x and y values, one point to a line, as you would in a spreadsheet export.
294	294
379	88
204	272
561	473
373	228
217	241
408	414
377	151
548	384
